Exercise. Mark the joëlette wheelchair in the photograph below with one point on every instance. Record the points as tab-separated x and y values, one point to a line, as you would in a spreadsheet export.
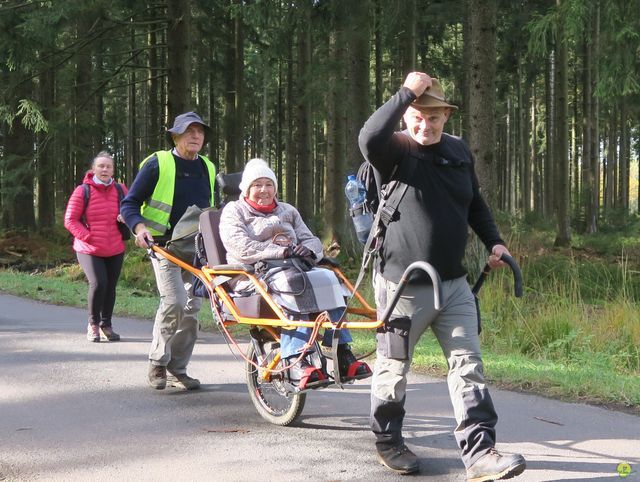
273	395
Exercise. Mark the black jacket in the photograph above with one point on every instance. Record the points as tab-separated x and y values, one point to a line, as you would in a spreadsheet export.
442	199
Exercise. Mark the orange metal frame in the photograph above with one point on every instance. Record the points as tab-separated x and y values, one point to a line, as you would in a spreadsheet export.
208	275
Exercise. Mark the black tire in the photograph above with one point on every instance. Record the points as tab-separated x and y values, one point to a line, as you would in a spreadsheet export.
271	400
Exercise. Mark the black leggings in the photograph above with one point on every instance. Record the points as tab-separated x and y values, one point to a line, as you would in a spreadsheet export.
102	274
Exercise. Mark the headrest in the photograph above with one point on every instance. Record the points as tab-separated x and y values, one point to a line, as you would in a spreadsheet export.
229	184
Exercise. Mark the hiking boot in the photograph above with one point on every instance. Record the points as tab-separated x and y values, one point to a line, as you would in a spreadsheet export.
495	466
183	381
304	375
107	334
399	459
348	365
93	333
157	376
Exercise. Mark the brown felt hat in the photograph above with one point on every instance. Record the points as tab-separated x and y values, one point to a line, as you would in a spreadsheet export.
432	97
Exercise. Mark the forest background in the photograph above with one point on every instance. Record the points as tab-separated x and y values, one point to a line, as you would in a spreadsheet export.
549	102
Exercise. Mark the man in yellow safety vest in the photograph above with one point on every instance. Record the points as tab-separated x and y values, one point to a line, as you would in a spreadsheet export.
166	185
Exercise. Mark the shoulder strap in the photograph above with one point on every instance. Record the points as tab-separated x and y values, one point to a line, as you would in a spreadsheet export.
86	193
391	195
120	191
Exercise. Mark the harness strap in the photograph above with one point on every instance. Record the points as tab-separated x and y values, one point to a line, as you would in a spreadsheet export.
392	194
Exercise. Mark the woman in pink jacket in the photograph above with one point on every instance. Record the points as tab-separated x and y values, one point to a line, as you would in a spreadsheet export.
92	217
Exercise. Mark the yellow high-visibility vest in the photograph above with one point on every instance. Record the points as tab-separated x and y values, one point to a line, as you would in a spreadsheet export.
157	209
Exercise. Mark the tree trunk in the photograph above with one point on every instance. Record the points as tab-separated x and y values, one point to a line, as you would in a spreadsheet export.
19	174
377	32
593	201
133	154
575	161
407	37
231	155
624	161
482	30
82	146
466	71
290	171
238	81
304	197
563	233
335	166
280	124
526	127
588	181
610	163
154	139
549	161
179	56
357	99
46	167
535	160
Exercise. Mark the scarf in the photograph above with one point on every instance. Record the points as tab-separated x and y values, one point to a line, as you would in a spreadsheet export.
263	209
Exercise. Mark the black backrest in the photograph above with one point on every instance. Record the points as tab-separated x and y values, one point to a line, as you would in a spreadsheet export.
210	229
229	186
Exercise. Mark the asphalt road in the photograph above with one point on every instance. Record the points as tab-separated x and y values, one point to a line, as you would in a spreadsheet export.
71	410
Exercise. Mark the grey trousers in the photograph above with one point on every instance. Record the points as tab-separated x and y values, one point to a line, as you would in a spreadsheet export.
175	329
456	330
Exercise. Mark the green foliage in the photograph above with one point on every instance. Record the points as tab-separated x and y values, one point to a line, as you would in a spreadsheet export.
32	117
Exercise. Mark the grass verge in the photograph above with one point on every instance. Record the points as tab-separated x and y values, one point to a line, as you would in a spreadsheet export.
574	336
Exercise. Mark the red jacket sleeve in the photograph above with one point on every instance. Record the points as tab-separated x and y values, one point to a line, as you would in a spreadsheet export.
75	210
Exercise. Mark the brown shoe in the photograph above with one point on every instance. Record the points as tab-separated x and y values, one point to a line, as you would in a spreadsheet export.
157	376
495	466
399	459
182	381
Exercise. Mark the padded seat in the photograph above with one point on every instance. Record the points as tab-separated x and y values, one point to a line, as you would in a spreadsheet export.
252	306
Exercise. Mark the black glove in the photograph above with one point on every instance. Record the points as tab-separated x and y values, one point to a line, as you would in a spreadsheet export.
288	252
302	251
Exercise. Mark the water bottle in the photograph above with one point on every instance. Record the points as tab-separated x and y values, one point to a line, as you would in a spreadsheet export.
362	220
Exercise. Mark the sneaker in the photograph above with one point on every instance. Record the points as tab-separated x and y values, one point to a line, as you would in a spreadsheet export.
157	376
399	459
107	334
183	381
304	375
495	466
349	366
93	333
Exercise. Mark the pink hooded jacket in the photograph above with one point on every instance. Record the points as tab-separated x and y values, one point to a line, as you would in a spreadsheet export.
101	237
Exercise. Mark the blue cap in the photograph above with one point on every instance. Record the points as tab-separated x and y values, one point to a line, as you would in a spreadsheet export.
182	121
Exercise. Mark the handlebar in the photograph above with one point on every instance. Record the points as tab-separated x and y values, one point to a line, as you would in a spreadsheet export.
435	280
517	276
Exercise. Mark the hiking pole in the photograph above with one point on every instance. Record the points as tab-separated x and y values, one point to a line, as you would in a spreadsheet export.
435	280
517	276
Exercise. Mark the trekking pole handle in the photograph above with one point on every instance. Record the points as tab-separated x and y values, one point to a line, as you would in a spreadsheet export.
517	276
435	280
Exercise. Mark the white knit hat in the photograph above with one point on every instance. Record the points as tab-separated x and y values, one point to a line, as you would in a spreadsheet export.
255	169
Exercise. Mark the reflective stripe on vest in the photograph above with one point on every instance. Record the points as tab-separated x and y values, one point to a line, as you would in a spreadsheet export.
157	210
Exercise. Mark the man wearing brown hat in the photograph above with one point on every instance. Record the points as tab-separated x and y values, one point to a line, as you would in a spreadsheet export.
166	185
441	200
